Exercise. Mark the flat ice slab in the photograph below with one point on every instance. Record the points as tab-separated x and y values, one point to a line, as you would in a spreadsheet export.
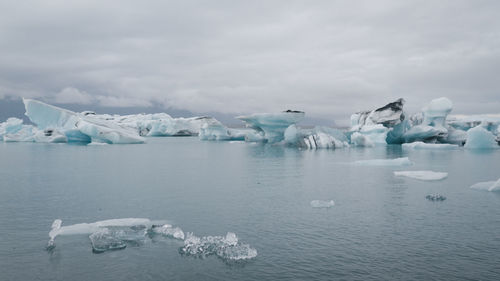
487	185
422	175
423	145
322	203
403	161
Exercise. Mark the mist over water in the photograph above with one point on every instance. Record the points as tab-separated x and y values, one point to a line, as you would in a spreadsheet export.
380	227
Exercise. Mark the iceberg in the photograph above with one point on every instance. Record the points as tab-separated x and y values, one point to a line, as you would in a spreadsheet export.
404	161
25	134
389	115
225	247
78	127
117	237
169	231
488	185
361	140
430	124
318	137
422	175
377	125
322	203
423	145
215	131
480	138
272	126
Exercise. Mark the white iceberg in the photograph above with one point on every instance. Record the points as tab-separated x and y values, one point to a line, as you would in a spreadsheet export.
423	145
422	175
77	126
480	138
216	131
361	140
272	125
488	185
403	161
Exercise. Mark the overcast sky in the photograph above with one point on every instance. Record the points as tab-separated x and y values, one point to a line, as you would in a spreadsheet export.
328	58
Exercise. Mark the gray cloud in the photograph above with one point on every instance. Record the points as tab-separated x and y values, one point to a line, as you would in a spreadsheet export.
329	58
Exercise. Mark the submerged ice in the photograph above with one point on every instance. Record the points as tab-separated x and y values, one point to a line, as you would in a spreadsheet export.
422	175
488	185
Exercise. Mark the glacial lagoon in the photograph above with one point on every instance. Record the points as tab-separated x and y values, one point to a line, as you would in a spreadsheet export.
273	199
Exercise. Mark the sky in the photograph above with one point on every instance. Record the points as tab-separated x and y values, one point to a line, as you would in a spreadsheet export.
327	58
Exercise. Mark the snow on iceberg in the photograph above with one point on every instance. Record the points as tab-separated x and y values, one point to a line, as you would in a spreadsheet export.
77	126
422	175
225	247
272	125
479	138
423	145
404	161
488	185
322	203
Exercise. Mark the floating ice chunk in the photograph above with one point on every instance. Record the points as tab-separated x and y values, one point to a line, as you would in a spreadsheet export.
169	231
25	134
456	136
422	175
479	137
435	197
272	125
361	140
423	145
488	185
11	126
404	161
89	228
225	247
102	240
322	203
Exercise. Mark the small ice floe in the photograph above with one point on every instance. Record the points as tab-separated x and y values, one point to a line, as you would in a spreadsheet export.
225	247
404	161
422	175
115	233
487	185
322	203
423	145
169	231
435	197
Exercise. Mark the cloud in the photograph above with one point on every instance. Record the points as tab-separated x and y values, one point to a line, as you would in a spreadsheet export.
329	58
72	95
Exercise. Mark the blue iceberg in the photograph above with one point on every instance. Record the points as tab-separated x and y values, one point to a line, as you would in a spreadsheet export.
272	126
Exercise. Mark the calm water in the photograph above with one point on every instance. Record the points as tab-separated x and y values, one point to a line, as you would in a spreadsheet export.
381	227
